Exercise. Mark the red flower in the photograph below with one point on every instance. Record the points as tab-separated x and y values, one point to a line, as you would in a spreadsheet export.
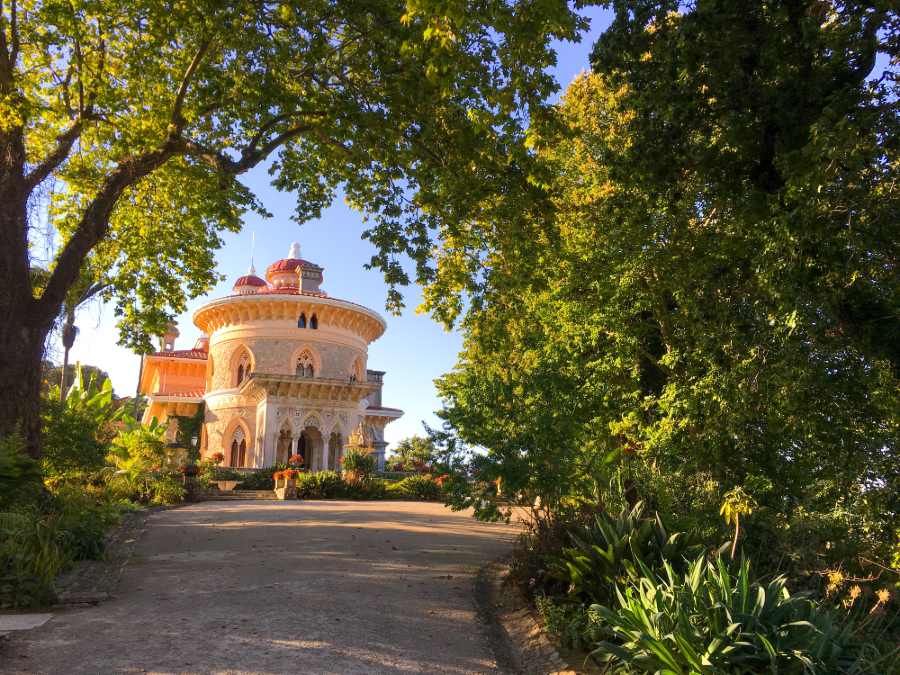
295	460
218	457
278	475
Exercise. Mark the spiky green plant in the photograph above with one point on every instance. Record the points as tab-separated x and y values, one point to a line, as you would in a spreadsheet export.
709	620
609	548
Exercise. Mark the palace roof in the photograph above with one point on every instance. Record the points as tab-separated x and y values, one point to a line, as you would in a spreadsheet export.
182	354
196	393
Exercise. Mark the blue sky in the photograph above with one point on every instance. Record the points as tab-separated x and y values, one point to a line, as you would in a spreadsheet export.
414	350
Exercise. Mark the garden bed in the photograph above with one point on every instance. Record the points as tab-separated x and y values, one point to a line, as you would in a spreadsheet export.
519	640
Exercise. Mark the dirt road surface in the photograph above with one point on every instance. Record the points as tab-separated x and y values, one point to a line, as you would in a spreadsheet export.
284	587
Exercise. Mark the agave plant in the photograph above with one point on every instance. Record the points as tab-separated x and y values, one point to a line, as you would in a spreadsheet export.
709	620
609	549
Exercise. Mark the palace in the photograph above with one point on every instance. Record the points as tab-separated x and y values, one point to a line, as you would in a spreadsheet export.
281	369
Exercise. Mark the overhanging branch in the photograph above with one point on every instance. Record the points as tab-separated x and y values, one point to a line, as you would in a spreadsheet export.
64	143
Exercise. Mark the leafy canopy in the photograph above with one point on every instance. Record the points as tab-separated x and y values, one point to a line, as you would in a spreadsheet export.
137	118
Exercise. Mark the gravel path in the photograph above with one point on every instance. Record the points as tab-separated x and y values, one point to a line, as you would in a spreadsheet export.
284	587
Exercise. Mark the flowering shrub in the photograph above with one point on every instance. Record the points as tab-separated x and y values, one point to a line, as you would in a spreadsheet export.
422	466
278	475
295	460
217	457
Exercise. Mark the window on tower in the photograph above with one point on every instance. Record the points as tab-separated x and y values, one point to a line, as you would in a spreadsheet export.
243	370
304	367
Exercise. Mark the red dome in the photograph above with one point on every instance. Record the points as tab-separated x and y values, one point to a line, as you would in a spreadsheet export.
287	265
249	280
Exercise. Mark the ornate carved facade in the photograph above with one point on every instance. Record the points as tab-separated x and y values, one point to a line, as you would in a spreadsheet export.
281	370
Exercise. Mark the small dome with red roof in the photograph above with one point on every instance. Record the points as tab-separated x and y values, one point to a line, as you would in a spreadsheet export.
249	283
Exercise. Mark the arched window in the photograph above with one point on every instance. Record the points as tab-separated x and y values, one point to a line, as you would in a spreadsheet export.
304	366
313	322
238	448
243	370
301	322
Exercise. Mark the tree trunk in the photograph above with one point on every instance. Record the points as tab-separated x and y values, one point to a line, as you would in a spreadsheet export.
23	329
21	355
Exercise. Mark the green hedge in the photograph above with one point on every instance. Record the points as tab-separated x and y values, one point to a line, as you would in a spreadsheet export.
419	486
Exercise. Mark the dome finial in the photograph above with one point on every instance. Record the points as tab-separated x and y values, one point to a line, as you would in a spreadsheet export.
295	250
252	270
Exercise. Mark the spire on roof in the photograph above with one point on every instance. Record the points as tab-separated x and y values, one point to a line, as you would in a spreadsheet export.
294	252
252	270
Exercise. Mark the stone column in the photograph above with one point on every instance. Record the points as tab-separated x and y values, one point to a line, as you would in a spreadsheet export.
270	435
326	442
294	441
379	454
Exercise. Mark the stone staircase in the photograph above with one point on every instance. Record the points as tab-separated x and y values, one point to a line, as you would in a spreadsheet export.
242	494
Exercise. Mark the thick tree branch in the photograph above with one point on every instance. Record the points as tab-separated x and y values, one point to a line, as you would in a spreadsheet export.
13	33
250	156
177	108
6	65
93	227
64	143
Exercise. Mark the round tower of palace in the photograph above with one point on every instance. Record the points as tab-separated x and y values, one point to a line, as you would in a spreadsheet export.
286	371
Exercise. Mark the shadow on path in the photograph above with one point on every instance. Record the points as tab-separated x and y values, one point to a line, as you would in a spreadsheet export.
279	587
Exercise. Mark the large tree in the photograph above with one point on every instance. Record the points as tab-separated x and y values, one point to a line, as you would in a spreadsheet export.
706	288
125	125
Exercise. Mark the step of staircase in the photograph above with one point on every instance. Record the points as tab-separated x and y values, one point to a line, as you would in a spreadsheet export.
243	494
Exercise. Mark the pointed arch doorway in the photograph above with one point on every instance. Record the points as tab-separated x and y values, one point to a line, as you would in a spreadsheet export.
309	447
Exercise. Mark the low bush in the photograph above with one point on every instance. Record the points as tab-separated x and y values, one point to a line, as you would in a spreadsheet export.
30	558
368	488
143	470
394	475
567	621
321	485
43	538
84	515
419	486
20	475
210	470
258	479
166	488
